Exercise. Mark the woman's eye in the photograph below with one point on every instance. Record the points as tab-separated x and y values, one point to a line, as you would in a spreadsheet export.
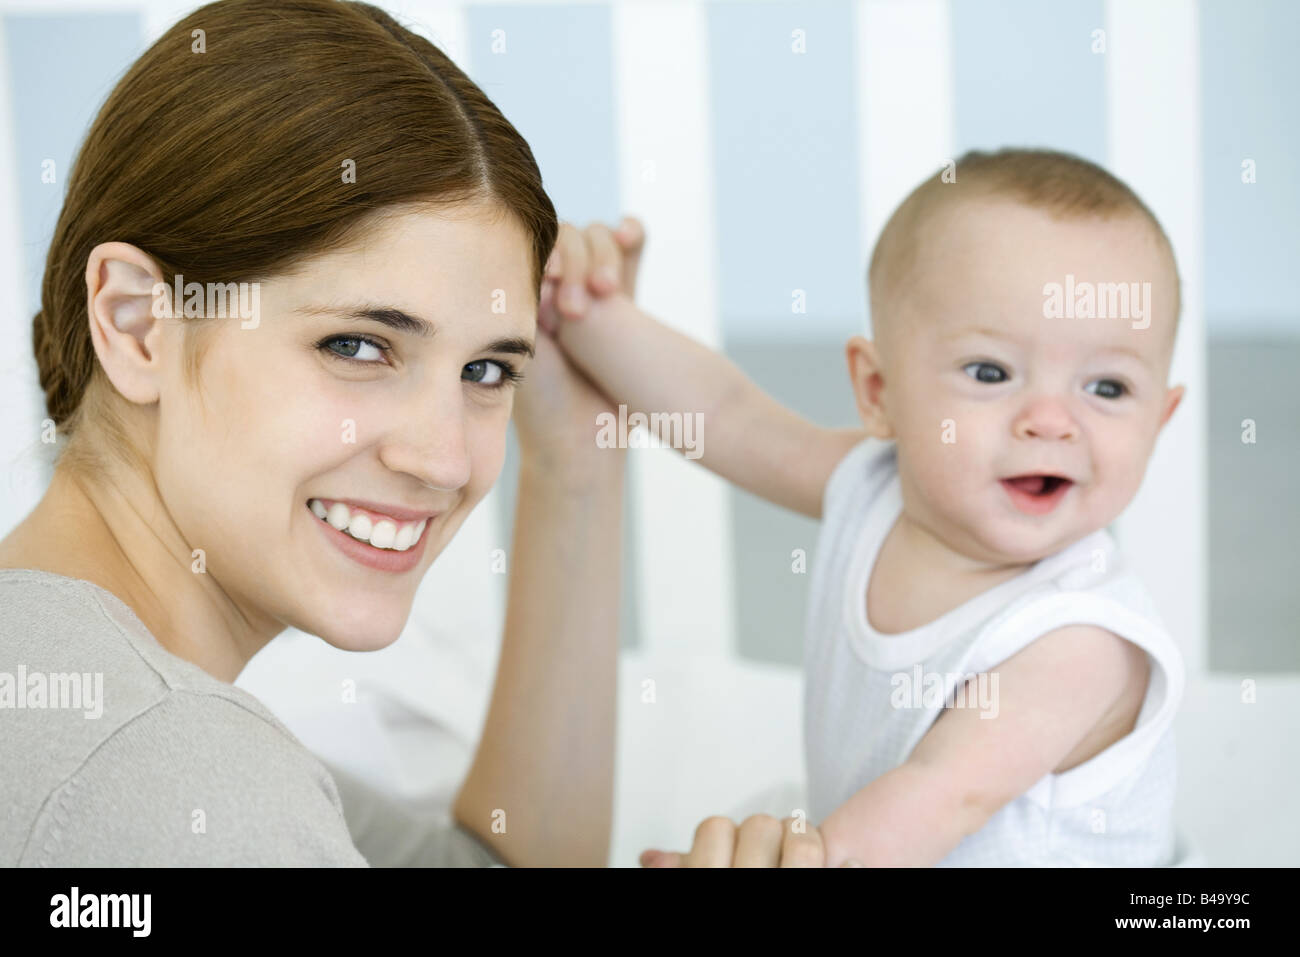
985	372
490	373
1108	388
350	347
483	372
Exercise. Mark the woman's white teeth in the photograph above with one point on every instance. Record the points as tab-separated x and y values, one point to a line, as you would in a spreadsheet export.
359	528
338	515
381	534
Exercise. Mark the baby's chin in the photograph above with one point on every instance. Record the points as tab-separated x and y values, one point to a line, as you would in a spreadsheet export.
998	532
1025	546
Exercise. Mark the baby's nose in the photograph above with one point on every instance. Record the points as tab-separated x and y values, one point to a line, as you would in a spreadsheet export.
1046	418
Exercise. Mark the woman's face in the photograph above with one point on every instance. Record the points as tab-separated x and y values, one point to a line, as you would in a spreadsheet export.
323	406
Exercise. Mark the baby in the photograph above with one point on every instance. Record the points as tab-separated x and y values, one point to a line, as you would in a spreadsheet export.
985	683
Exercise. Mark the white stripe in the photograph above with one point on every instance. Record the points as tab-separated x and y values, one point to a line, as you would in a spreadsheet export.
23	458
1154	133
160	15
665	158
905	104
59	8
441	22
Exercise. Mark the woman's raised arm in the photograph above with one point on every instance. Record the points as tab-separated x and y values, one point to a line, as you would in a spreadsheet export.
540	789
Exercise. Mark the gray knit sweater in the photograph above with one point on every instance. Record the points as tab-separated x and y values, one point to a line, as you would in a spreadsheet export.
116	753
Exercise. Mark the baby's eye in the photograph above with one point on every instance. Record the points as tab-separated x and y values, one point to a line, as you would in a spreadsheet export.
1108	388
985	372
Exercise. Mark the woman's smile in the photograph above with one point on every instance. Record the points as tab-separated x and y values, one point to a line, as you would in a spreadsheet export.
371	538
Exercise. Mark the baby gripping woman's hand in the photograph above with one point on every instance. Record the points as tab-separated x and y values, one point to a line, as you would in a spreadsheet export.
760	841
557	409
595	261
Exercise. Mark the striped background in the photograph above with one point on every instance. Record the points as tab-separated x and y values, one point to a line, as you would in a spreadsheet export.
761	170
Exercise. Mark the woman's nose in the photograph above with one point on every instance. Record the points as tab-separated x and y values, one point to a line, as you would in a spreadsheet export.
432	444
1046	417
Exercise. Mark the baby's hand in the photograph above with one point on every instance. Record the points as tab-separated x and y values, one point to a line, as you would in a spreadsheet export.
598	260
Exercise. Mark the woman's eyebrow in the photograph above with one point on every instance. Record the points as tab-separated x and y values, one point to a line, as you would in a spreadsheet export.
400	321
513	345
395	319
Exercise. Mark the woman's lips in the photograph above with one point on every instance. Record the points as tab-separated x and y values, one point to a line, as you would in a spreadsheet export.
1036	494
381	559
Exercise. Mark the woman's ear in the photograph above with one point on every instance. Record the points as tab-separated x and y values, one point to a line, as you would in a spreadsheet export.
867	377
127	300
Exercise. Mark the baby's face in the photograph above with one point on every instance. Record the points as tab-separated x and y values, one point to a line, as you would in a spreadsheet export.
1019	434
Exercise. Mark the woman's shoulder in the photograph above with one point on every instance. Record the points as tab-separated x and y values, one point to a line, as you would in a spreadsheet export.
117	753
68	645
193	781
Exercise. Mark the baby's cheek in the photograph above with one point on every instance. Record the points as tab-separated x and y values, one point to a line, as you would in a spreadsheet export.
960	448
1125	455
1117	477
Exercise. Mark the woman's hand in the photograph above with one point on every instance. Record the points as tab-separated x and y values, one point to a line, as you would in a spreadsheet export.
760	841
558	668
555	412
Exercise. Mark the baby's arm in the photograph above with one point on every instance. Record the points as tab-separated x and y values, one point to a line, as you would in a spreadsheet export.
746	437
1057	702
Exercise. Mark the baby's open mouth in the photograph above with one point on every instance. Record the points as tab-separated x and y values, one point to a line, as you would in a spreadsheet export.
1037	484
1036	494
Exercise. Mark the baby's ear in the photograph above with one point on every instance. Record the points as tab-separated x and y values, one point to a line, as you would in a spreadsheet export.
867	378
1172	398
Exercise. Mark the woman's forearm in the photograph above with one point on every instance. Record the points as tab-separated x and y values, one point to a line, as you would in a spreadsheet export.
540	789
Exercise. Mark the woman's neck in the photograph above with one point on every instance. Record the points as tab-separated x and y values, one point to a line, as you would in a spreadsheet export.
118	534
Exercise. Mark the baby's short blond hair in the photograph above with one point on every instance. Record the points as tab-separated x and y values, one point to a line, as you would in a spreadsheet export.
1067	186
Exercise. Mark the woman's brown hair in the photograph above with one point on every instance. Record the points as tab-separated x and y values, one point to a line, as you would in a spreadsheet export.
222	154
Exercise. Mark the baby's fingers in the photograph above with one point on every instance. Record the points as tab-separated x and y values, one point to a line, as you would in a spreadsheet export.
546	317
569	261
605	259
630	236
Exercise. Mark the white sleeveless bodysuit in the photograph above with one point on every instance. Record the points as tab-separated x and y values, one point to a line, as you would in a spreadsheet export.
1116	809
